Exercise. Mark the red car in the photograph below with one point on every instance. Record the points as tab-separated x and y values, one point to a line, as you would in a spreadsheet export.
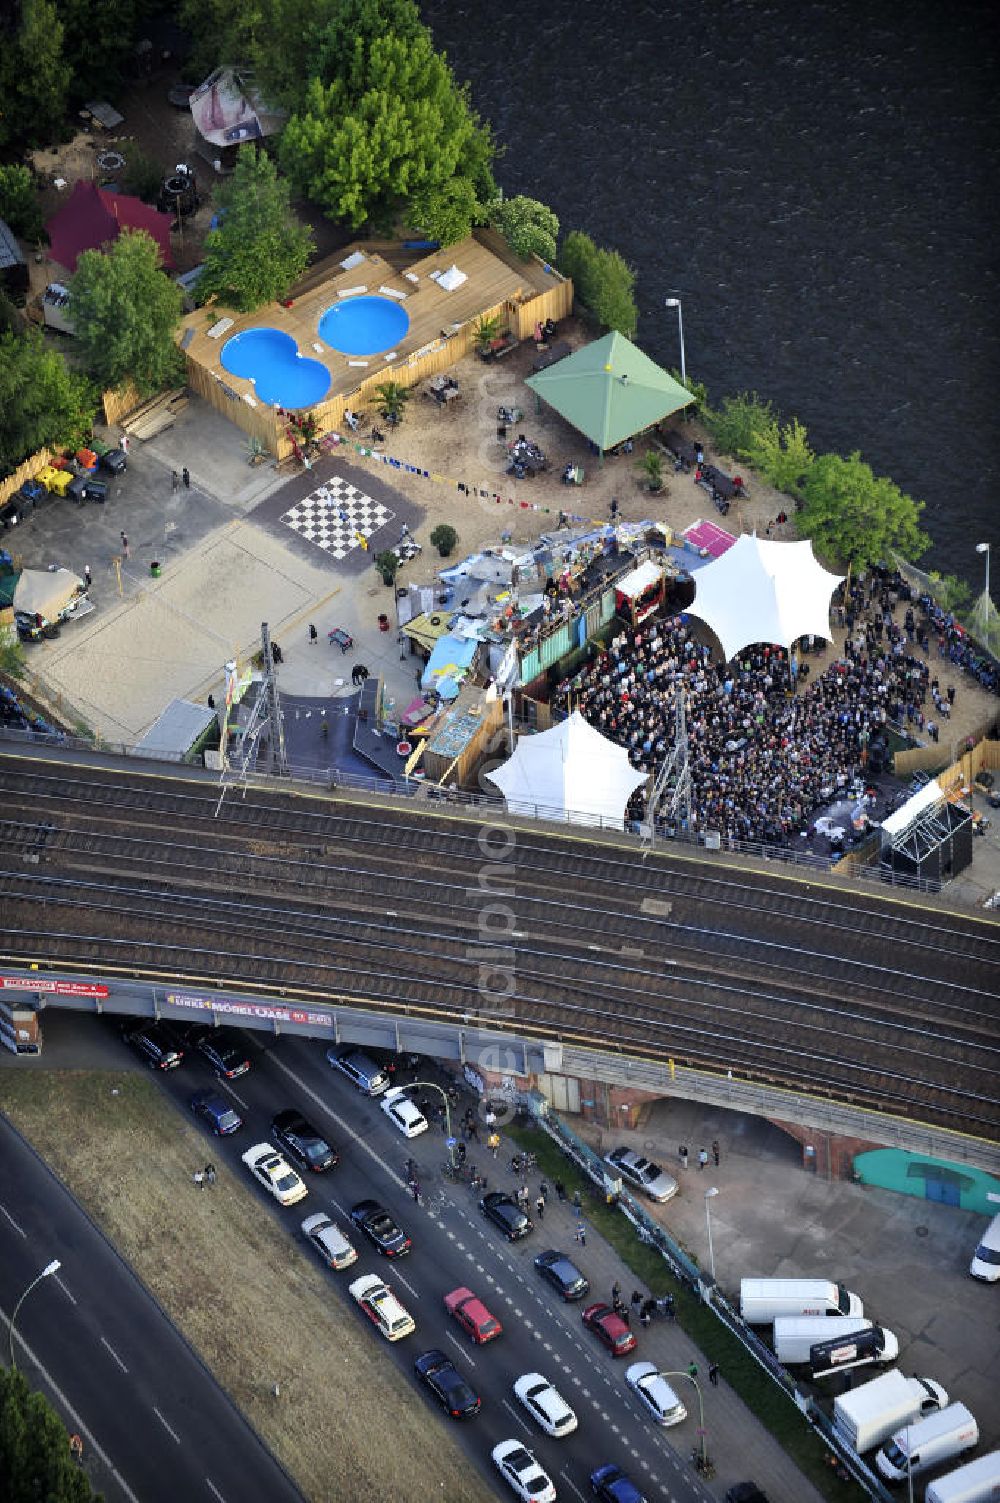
472	1315
609	1329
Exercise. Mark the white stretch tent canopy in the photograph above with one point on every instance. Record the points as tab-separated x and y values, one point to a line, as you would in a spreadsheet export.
570	772
760	591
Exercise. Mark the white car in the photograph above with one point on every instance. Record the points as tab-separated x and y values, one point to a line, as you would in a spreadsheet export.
655	1393
403	1113
520	1469
329	1241
275	1174
545	1404
642	1174
382	1307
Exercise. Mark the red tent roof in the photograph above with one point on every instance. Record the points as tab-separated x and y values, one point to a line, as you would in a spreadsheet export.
92	218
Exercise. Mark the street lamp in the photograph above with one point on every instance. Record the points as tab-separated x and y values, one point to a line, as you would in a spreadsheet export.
702	1433
985	548
675	302
47	1272
708	1222
433	1086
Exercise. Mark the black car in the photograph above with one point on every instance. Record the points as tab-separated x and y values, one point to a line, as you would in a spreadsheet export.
378	1226
216	1113
224	1053
745	1492
302	1141
114	462
447	1385
505	1213
156	1045
562	1273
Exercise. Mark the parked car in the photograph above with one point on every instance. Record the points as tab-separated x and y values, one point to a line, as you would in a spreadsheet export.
224	1052
745	1492
546	1405
403	1113
472	1315
155	1044
382	1307
505	1213
359	1069
655	1394
301	1140
562	1273
642	1174
610	1484
610	1330
216	1113
521	1471
329	1241
275	1174
456	1397
379	1227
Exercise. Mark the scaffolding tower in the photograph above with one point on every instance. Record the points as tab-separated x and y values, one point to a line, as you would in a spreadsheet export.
671	796
272	706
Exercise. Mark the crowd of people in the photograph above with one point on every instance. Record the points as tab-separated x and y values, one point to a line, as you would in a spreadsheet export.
763	758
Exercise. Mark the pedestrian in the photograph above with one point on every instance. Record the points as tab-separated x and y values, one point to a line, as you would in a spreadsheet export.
415	1191
560	1190
199	1178
682	1154
616	1293
951	694
581	1234
540	1207
210	1174
88	578
636	1297
474	1129
490	1118
702	1158
175	480
493	1142
577	1202
713	1374
692	1369
614	508
460	1153
211	701
126	551
313	634
186	477
644	1316
543	1190
715	1151
665	1305
123	443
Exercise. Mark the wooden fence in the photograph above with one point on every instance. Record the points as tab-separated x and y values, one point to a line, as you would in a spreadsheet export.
26	471
119	403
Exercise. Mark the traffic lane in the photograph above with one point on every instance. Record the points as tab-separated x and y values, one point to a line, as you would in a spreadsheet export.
539	1326
140	1391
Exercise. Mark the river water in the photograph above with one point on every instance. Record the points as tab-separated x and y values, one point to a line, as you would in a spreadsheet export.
818	182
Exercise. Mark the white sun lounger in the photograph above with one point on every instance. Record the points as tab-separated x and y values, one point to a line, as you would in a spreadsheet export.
351	291
391	292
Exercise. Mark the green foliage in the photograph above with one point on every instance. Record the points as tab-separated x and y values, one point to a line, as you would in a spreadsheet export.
950	592
857	518
650	467
698	390
736	424
393	399
446	211
142	176
485	330
227	31
387	564
44	403
444	538
19	202
260	247
125	311
781	455
11	653
530	228
603	281
35	1460
37	77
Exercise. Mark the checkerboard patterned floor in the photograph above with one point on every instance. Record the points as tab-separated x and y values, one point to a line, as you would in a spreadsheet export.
333	515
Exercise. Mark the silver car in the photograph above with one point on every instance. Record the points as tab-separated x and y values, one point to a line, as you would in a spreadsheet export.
331	1244
642	1174
655	1393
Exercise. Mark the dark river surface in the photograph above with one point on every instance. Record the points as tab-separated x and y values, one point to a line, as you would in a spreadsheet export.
820	185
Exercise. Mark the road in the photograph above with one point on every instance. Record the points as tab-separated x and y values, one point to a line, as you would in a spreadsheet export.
155	1425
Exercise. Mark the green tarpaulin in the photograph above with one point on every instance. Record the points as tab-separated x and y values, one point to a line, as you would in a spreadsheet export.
609	391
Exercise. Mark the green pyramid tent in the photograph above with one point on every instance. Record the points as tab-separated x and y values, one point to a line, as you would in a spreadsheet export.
609	390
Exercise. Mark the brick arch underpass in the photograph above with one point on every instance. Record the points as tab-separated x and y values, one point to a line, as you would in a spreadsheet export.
856	1001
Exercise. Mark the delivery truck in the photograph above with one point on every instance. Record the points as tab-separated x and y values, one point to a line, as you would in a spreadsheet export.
869	1415
916	1448
764	1300
863	1348
976	1482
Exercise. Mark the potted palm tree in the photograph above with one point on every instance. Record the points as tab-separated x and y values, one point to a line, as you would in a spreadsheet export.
484	331
393	398
444	538
650	467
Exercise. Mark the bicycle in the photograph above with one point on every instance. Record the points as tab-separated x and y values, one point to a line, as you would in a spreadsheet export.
521	1162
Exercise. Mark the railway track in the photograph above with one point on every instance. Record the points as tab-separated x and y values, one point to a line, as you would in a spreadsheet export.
866	1001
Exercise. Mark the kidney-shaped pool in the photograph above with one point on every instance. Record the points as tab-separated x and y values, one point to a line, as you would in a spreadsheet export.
271	360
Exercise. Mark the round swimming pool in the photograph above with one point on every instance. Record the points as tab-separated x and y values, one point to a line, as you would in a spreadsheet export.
271	360
363	325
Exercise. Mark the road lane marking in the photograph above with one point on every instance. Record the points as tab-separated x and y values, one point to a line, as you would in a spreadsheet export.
471	1360
397	1275
65	1291
227	1087
13	1223
513	1412
172	1433
114	1354
570	1483
211	1484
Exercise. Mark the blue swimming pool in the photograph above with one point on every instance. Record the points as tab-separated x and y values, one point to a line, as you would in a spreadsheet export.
271	360
364	325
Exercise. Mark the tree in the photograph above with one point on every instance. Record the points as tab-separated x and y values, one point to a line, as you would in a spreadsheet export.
650	467
485	330
228	31
603	280
44	403
19	202
446	211
781	455
443	538
35	1460
39	79
530	228
698	390
260	247
387	564
738	421
125	311
393	398
856	517
143	176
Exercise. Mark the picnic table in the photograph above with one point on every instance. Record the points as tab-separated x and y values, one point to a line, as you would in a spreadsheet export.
341	638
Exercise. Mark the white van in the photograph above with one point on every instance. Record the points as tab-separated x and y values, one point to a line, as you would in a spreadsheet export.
930	1441
795	1335
764	1300
976	1482
985	1263
872	1413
